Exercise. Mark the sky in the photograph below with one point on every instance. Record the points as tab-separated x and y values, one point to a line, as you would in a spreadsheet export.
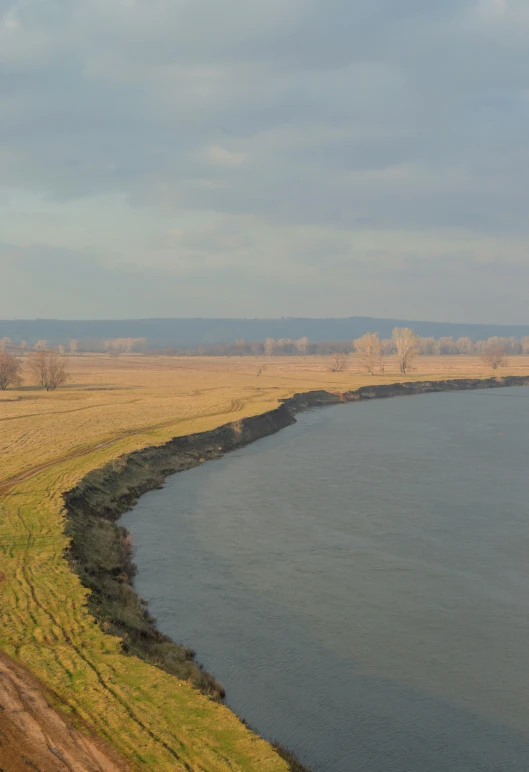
264	158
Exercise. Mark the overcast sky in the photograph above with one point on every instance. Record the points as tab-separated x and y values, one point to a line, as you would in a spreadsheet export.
265	158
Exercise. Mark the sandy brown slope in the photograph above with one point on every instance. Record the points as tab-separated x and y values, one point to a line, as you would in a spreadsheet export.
33	736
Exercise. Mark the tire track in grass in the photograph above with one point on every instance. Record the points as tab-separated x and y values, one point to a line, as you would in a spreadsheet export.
86	660
10	482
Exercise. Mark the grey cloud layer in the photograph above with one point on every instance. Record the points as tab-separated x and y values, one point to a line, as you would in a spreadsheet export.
345	116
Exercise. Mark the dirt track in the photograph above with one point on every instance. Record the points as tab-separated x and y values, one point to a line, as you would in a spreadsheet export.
33	736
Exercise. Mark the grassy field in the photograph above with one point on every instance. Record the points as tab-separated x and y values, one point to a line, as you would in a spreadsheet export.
48	442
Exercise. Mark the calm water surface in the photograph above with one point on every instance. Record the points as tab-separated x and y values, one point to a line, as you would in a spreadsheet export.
360	582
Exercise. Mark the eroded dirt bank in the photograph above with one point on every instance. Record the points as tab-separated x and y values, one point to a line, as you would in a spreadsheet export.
424	387
101	552
34	736
110	491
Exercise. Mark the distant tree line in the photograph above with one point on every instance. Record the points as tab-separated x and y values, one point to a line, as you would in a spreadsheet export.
49	367
428	346
119	346
444	346
465	346
404	345
113	347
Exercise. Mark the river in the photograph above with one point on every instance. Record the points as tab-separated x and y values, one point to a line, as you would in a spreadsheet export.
359	582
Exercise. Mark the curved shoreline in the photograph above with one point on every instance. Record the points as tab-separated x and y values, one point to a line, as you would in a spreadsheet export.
101	553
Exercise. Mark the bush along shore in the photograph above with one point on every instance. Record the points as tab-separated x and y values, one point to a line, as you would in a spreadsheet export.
100	550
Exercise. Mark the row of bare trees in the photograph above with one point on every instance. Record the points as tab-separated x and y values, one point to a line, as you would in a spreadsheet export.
124	345
428	346
113	347
371	350
303	347
48	368
299	347
407	347
467	347
41	345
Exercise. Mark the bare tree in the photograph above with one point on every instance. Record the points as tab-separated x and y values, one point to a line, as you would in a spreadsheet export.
525	345
40	345
508	345
282	345
108	345
4	343
446	345
114	347
10	368
407	347
124	345
49	369
465	346
74	345
370	351
493	356
427	346
515	346
269	346
302	346
338	362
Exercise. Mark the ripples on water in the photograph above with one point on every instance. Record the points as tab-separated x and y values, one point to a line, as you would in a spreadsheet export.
359	582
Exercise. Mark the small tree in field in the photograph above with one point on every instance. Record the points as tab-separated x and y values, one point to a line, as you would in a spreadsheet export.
10	368
338	362
370	351
49	369
493	356
407	347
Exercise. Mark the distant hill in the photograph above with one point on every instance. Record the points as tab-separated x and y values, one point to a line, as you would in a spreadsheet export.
161	333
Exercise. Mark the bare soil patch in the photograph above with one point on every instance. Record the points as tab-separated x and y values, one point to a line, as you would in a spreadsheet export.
34	736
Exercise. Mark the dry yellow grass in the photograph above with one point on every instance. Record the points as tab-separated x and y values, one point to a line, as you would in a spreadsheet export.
48	442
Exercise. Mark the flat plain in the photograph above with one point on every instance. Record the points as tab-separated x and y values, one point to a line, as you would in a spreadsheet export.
48	442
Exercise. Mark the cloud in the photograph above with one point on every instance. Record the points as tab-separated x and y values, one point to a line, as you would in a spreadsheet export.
221	157
492	9
267	139
46	281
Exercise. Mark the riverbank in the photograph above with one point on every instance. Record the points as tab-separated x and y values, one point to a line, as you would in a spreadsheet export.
50	443
101	553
